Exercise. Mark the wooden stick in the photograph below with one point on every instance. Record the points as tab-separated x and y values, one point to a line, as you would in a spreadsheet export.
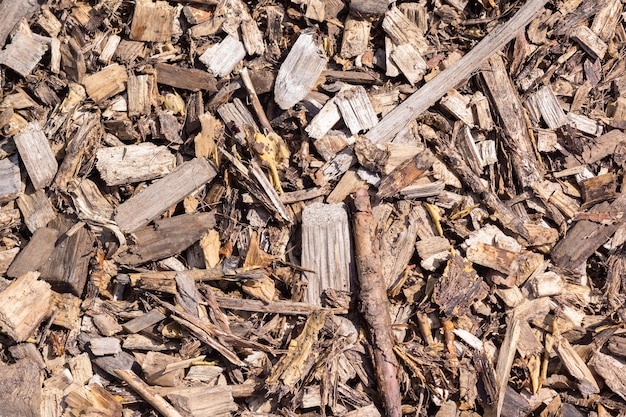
254	98
373	295
144	390
462	69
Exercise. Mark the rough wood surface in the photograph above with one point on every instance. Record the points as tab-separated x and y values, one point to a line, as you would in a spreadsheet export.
150	203
182	184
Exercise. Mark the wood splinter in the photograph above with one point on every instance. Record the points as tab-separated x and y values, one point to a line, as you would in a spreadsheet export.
374	301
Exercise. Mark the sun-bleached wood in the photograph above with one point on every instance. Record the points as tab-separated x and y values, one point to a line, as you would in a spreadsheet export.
36	155
134	163
151	202
299	72
326	250
461	70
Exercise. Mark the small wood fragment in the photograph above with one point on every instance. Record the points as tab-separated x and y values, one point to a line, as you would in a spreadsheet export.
152	21
326	250
222	58
185	78
158	197
24	304
36	155
589	41
356	109
10	179
299	71
106	83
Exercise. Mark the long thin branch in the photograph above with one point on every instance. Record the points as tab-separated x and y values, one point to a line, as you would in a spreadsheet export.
374	301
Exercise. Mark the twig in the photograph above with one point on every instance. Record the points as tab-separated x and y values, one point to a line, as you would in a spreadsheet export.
254	98
374	301
144	390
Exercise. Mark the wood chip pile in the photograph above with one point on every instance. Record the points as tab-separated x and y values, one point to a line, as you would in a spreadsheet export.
312	208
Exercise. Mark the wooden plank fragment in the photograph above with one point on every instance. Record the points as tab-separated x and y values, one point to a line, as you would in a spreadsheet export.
134	163
461	70
355	37
24	52
151	202
167	237
185	78
152	22
589	41
586	236
36	209
544	103
12	13
10	179
35	253
410	62
204	400
66	268
326	250
140	92
24	304
20	388
299	71
106	83
356	109
36	155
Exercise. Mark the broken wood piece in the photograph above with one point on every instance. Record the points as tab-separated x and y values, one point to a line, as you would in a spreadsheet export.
95	398
356	109
410	62
36	155
204	400
25	51
10	179
405	174
299	71
152	21
24	304
167	237
20	388
326	250
66	267
185	78
146	320
462	69
106	83
355	37
222	58
545	104
35	253
589	41
576	367
599	188
151	202
134	163
36	209
373	296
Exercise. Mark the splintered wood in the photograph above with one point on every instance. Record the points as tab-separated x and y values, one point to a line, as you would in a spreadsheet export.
312	208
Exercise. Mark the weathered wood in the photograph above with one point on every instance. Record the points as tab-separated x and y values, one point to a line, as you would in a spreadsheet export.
146	320
167	237
36	155
222	58
185	78
355	37
13	13
299	72
20	388
586	236
150	203
152	22
35	253
106	83
462	69
24	304
25	50
134	163
10	179
356	109
204	400
326	250
66	268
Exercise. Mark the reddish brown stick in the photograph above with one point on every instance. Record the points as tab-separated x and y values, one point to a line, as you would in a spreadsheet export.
373	295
